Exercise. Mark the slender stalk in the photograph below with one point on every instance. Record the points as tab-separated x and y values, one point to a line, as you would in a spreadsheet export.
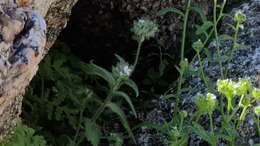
229	106
197	116
82	109
234	47
181	123
214	143
258	125
233	114
103	106
42	87
242	116
186	16
78	128
137	53
216	37
202	71
212	30
211	123
178	92
107	100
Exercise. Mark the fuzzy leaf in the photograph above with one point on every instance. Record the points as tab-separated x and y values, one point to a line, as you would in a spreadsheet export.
200	11
132	85
93	69
116	109
169	10
92	132
204	27
205	135
127	98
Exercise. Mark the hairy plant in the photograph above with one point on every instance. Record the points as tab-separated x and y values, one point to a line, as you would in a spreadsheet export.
248	96
81	97
64	97
24	136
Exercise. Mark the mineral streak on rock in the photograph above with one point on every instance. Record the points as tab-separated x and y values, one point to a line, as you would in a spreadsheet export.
22	46
22	34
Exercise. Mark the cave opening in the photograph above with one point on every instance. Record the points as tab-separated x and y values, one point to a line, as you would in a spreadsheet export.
98	30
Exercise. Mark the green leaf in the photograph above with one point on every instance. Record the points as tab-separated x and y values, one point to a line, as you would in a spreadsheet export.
92	132
116	109
205	135
58	63
230	133
204	27
200	11
168	96
120	59
132	85
150	125
169	10
127	98
225	37
24	136
93	69
231	26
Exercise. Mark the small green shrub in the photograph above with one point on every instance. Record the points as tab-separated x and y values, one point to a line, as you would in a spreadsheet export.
25	136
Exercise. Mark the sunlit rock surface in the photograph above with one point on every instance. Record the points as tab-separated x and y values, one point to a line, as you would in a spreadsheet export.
22	46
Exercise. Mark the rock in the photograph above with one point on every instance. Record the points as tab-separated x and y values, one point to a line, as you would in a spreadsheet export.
24	42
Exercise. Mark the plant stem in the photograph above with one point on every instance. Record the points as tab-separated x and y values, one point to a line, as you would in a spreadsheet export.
78	128
181	122
102	107
234	47
216	37
202	71
178	93
138	53
186	16
232	114
258	125
229	105
212	30
242	116
107	100
211	123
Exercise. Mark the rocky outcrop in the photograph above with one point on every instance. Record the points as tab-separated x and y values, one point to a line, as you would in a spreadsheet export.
24	40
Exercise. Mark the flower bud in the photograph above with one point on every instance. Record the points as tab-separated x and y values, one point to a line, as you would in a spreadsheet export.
257	110
144	30
240	17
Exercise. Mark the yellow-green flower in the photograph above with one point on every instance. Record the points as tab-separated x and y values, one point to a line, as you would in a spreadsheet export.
257	110
242	87
240	17
256	93
206	104
227	87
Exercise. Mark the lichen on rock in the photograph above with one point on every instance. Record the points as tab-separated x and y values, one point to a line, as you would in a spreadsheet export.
22	46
